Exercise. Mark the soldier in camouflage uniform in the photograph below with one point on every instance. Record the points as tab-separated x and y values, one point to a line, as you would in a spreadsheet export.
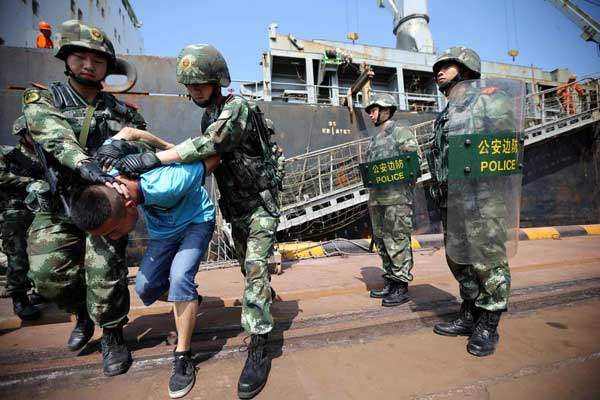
18	168
83	274
484	288
391	206
248	180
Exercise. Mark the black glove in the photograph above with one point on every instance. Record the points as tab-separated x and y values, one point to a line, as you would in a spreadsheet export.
91	173
108	154
134	165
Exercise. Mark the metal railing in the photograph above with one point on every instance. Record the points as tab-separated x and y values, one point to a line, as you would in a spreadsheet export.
330	171
302	93
325	171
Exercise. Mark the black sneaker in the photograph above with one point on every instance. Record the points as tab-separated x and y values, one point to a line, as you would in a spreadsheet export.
183	376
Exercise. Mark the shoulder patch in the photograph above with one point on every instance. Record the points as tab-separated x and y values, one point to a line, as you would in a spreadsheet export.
132	105
38	85
489	90
31	95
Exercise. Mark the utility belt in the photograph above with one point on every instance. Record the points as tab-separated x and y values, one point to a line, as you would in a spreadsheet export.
251	173
40	199
238	207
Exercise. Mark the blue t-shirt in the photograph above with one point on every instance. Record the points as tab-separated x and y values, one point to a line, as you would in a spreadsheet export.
174	198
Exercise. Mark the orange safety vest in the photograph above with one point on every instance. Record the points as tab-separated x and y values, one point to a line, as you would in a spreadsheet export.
43	42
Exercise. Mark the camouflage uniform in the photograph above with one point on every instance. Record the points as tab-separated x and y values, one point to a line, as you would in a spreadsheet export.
487	285
391	206
68	266
230	130
15	217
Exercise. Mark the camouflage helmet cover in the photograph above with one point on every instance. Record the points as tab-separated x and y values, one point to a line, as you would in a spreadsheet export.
199	64
74	34
460	55
381	100
19	126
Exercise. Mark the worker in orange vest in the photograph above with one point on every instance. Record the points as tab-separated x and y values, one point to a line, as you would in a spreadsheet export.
566	94
43	38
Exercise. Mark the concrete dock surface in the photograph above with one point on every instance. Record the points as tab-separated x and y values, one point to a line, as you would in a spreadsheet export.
332	341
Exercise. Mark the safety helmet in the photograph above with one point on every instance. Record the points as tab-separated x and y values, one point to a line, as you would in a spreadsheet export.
200	64
460	55
75	35
43	25
19	126
573	77
382	100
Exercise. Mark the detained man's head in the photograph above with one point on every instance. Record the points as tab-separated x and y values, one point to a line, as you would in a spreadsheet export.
101	211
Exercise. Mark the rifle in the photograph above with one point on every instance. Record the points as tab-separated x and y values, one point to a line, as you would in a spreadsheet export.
32	169
50	174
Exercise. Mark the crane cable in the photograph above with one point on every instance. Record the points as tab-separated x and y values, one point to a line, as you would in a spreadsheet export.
513	52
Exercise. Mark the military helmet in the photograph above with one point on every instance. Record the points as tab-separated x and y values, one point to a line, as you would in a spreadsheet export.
381	100
199	64
19	126
460	55
74	35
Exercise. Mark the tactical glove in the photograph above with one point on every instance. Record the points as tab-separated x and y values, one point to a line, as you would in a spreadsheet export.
134	165
91	173
108	154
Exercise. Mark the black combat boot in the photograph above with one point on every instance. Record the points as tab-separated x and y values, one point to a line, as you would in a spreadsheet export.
398	295
461	326
83	331
379	294
116	356
485	335
23	307
37	298
256	370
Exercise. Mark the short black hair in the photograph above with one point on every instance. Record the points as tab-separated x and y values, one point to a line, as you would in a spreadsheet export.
91	207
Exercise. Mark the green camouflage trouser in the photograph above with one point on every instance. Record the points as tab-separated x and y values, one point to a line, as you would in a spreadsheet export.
13	231
254	238
488	285
74	269
392	226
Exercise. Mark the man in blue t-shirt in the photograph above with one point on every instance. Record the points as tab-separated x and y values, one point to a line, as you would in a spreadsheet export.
180	220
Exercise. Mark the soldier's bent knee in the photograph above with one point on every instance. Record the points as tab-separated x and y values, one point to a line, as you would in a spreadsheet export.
254	269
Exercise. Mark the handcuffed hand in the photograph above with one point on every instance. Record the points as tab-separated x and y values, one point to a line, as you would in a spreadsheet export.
108	154
134	165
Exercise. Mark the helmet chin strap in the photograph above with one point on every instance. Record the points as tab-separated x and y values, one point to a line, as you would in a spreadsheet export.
446	85
379	121
82	81
211	100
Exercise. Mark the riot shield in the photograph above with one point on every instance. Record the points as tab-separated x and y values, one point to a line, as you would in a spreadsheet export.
386	172
485	155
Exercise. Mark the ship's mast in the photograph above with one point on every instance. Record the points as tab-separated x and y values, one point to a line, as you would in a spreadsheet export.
411	24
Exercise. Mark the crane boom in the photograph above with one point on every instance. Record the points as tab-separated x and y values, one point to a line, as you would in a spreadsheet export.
589	26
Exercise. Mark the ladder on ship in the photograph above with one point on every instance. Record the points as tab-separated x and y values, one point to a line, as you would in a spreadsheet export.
323	189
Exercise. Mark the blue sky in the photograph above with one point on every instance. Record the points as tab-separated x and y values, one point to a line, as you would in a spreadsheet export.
238	28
